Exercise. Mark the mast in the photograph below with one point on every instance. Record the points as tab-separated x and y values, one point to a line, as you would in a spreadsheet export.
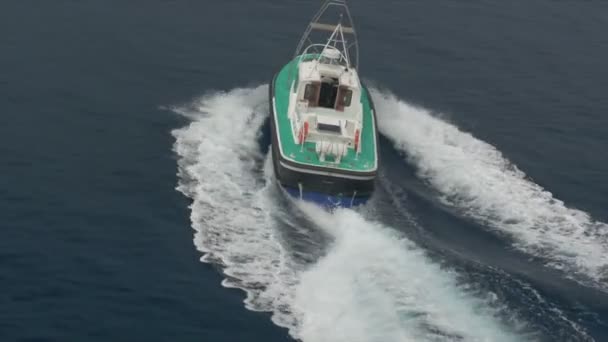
334	17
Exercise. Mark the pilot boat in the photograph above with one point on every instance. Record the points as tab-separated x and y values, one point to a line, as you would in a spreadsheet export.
323	125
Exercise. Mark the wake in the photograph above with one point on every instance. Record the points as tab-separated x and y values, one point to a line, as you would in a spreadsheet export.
390	290
218	162
474	176
369	284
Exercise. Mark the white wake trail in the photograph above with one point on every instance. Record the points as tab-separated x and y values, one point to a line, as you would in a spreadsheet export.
374	285
370	284
219	160
474	176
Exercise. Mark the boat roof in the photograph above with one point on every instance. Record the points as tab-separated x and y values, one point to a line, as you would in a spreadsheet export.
315	71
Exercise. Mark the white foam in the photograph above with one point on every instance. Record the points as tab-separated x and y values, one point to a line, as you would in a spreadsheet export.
475	177
219	157
374	285
371	285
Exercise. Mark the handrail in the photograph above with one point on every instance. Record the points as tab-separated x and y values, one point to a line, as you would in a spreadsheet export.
305	52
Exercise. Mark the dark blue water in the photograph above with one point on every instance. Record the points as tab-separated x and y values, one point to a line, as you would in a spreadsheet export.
96	243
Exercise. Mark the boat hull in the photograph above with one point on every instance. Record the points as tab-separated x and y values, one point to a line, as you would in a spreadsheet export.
326	186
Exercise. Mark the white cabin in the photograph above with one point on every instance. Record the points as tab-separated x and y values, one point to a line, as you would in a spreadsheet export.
324	105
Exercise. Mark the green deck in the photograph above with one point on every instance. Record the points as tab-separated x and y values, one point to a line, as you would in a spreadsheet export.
365	162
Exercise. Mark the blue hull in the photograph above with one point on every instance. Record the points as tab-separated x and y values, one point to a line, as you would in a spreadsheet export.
325	200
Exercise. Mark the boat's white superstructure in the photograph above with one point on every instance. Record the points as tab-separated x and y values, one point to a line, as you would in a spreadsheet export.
321	106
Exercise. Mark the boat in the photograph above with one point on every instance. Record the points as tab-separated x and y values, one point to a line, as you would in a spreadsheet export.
323	123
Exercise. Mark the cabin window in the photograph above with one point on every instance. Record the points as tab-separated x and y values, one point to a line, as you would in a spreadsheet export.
344	98
311	92
348	96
